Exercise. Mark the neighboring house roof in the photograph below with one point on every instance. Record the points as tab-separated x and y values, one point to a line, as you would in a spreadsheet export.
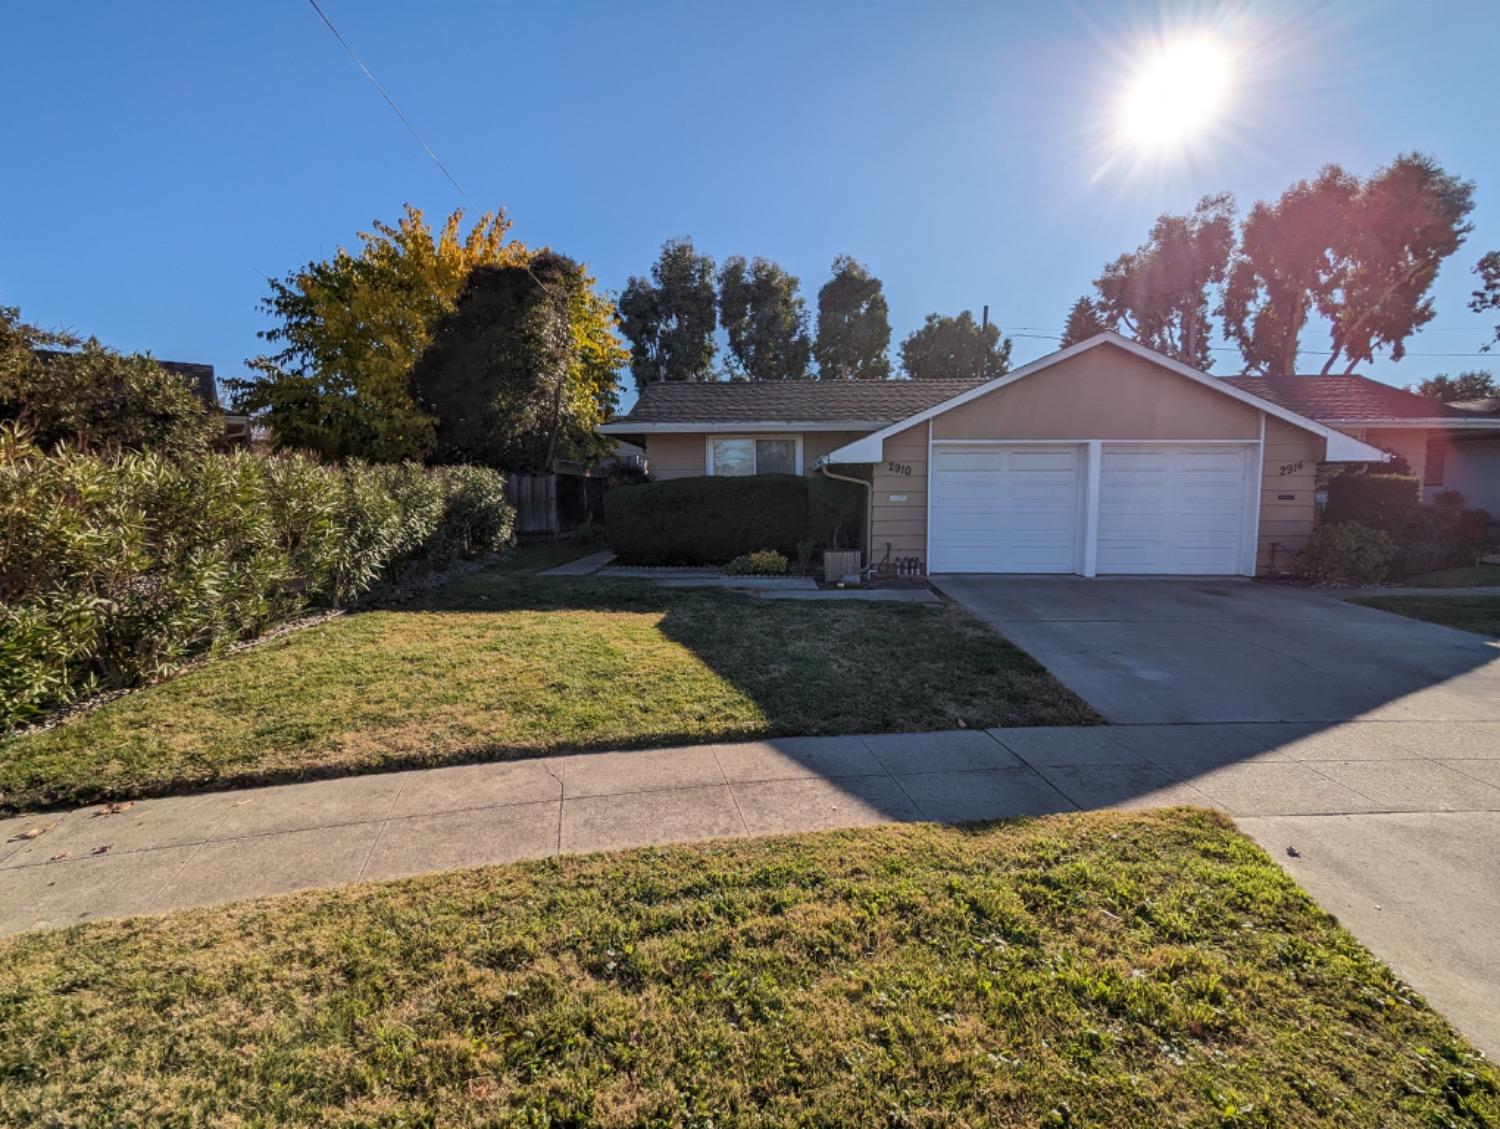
198	377
1340	447
1345	399
1487	406
806	405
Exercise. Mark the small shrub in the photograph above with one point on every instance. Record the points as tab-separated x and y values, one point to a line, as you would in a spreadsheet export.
1376	501
1445	536
763	562
1349	553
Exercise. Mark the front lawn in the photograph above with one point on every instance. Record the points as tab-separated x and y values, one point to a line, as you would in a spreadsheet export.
1083	970
506	663
1473	576
1480	614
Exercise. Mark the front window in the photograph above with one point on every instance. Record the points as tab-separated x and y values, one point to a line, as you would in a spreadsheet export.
752	456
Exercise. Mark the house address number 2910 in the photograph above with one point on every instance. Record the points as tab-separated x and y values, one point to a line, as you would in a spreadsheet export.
899	468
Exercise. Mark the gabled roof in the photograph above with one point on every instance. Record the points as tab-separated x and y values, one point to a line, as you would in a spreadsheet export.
829	405
1340	447
1343	398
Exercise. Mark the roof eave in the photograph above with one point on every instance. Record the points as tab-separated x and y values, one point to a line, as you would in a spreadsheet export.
627	426
1428	422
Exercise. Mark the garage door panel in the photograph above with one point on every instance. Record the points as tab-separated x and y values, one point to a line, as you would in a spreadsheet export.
1005	509
1172	509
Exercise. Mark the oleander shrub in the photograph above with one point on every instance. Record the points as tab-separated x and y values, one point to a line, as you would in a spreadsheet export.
1347	553
115	568
762	562
712	520
1376	501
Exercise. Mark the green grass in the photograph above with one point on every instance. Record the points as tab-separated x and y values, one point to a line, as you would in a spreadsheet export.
1083	970
505	663
1474	576
1480	614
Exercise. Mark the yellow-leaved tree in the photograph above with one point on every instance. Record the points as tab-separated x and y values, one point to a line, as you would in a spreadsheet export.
351	328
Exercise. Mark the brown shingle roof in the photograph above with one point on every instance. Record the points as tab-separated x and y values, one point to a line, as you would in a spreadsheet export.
1327	398
878	402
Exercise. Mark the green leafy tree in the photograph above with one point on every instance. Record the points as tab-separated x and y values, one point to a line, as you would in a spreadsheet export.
1409	217
1159	291
1085	320
1476	385
350	328
1487	297
955	348
766	320
669	319
1286	266
518	374
63	390
854	325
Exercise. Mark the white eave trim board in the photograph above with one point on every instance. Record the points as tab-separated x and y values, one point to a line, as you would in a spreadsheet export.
735	427
1341	447
1430	423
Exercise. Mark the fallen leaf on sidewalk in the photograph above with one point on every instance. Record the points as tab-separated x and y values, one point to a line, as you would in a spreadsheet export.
58	857
104	850
31	833
1294	852
115	808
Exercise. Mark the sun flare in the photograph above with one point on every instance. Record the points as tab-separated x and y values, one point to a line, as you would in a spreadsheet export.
1177	93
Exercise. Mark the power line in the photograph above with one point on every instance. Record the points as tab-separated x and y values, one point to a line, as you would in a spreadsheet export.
391	103
1232	349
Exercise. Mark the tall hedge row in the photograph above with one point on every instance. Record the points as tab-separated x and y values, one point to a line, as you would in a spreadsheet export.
712	520
1376	501
115	568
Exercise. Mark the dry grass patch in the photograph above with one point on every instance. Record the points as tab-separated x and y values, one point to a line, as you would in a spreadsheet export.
1102	970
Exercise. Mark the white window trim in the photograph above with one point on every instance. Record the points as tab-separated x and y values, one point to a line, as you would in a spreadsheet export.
711	439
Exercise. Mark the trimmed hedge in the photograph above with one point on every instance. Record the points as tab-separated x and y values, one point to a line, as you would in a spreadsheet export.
713	520
115	569
1376	501
1349	553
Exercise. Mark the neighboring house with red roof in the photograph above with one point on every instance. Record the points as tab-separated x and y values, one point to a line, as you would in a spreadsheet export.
1448	446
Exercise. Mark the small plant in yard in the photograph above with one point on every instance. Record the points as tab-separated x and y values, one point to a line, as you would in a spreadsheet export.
1349	553
762	562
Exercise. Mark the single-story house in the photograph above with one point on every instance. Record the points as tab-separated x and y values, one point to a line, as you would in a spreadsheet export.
1104	457
1448	446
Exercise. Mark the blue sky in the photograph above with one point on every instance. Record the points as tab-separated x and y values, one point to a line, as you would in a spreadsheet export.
164	157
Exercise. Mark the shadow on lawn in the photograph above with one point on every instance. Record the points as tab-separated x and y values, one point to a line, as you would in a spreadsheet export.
1199	676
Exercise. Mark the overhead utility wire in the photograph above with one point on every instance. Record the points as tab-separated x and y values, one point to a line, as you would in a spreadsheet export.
353	54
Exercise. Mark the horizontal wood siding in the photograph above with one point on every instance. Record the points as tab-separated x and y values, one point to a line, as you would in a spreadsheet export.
676	456
1287	506
898	519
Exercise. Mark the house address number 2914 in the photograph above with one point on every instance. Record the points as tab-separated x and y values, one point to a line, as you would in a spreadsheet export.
899	468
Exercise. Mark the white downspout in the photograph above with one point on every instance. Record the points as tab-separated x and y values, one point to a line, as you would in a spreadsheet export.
869	511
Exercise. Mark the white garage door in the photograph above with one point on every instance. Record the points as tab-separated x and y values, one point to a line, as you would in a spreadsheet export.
1005	509
1172	509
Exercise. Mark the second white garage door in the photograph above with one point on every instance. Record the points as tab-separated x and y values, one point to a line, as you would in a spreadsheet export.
1173	509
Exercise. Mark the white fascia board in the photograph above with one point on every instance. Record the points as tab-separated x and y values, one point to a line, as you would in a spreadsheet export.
1437	423
735	427
868	448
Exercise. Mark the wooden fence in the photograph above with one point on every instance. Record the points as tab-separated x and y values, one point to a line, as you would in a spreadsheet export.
549	504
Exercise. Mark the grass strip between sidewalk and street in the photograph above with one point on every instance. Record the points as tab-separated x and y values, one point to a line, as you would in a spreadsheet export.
1091	969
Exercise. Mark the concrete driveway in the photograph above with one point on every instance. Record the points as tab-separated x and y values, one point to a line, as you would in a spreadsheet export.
1405	867
1144	651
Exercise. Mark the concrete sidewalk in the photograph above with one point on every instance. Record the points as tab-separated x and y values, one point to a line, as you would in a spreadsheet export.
190	850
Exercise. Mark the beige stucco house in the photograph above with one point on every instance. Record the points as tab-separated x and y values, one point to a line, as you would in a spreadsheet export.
1102	458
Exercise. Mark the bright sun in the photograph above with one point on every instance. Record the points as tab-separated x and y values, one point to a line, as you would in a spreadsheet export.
1175	95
